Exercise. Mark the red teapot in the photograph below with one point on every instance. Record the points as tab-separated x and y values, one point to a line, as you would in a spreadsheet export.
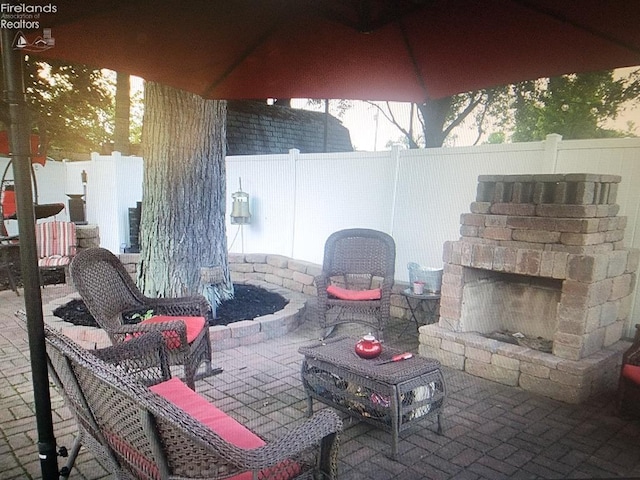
368	347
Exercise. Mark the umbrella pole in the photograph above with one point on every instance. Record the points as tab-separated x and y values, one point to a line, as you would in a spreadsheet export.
19	130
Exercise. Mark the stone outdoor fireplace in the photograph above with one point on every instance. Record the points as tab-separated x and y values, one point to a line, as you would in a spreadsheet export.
541	257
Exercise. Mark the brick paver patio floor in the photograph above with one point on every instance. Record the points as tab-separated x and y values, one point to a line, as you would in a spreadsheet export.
491	431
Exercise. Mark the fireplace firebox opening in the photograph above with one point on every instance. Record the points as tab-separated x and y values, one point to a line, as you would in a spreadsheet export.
499	305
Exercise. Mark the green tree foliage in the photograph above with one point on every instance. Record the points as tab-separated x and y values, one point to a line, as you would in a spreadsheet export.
575	106
73	103
122	113
496	137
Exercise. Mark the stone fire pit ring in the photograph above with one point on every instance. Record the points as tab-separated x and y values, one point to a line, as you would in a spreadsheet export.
223	337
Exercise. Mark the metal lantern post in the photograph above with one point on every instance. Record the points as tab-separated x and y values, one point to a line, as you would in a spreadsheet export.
19	131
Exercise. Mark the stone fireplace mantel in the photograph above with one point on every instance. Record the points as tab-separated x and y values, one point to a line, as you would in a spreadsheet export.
562	233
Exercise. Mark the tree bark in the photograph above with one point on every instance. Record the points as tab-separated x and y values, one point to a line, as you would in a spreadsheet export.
184	189
123	107
434	114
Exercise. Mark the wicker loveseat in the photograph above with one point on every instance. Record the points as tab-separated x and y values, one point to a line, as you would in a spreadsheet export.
169	431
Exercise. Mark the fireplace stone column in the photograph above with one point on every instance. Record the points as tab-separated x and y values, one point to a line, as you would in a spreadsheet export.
537	230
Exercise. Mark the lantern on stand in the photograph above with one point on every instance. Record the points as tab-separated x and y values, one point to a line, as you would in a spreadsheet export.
240	209
240	214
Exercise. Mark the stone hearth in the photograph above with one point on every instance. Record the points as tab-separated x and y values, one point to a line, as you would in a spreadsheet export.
542	255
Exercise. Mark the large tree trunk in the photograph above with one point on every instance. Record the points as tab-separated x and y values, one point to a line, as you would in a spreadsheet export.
434	114
123	107
183	206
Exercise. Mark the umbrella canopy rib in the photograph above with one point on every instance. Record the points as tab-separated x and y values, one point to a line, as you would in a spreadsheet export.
581	26
414	61
240	60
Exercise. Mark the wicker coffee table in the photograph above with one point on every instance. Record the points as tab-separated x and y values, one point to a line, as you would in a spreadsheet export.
391	396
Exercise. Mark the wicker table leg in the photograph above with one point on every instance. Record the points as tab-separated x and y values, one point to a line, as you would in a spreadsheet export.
394	411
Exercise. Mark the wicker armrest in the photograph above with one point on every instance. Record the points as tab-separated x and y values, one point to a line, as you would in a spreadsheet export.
310	433
144	356
176	325
322	282
192	306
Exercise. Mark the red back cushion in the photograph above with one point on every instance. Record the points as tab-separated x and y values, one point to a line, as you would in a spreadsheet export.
56	239
8	200
632	372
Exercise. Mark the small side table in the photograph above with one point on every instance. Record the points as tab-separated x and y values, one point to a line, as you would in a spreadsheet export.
430	305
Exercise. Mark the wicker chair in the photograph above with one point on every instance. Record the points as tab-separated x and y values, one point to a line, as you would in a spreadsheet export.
356	280
629	384
110	293
156	433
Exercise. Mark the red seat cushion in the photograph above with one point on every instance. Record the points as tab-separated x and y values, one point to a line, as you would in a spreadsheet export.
345	294
632	372
228	428
8	200
206	413
194	327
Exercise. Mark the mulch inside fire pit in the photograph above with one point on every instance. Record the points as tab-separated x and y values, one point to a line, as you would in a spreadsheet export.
249	302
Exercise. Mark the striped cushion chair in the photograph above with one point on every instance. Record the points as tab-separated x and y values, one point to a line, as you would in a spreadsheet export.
56	243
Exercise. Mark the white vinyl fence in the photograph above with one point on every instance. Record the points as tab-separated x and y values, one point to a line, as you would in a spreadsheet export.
417	196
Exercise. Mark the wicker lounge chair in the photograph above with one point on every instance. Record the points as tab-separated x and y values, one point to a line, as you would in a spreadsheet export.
169	431
629	384
110	293
356	280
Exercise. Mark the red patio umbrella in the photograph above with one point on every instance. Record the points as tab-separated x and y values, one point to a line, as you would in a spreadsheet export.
359	49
